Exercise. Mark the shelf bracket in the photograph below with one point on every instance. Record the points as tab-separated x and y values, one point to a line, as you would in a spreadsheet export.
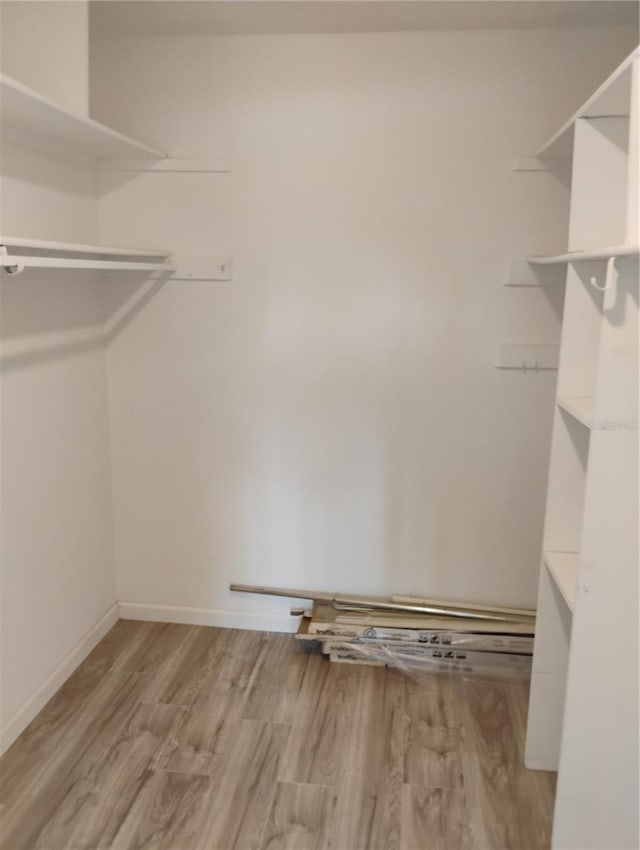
532	356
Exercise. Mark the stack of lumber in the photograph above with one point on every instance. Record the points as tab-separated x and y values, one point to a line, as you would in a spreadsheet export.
414	632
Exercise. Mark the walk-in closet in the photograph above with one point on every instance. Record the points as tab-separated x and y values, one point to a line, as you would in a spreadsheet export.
319	425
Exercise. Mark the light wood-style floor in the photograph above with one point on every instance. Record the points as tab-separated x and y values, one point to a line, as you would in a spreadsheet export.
181	737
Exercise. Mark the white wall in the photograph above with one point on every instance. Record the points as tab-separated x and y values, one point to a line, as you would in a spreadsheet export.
45	45
331	417
56	535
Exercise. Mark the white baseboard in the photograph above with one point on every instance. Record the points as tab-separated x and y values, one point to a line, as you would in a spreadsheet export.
536	763
262	622
21	719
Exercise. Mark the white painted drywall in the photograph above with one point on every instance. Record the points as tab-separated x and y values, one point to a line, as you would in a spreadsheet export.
45	45
331	417
56	554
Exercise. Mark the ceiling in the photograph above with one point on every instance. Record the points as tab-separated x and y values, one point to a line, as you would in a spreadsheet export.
244	17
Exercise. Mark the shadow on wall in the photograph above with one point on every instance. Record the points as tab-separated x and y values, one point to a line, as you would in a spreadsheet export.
49	314
32	167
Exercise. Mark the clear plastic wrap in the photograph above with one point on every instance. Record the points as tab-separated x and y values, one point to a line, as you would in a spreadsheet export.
417	658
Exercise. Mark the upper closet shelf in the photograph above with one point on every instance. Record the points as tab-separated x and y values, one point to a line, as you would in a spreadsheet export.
77	248
28	112
611	100
586	255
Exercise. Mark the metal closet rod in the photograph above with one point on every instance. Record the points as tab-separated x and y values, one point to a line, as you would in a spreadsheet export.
14	264
343	603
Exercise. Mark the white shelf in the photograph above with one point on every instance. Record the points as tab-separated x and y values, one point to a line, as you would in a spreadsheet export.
39	118
578	406
77	248
586	255
563	569
612	99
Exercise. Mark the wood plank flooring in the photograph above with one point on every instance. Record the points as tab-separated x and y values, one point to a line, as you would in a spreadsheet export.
175	737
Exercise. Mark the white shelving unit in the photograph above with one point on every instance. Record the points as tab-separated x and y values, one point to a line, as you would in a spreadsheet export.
584	700
48	125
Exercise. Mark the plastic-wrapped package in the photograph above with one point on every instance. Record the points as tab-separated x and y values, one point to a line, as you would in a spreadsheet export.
373	636
416	658
521	645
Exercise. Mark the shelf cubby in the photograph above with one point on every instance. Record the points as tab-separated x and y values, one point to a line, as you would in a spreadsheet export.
611	99
599	183
578	406
581	327
566	486
563	569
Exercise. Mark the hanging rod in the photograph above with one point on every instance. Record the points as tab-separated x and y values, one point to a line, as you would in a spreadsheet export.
14	264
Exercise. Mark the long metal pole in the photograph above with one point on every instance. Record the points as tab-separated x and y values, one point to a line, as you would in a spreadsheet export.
13	260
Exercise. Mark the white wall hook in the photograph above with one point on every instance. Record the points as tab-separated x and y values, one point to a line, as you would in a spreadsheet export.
608	281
